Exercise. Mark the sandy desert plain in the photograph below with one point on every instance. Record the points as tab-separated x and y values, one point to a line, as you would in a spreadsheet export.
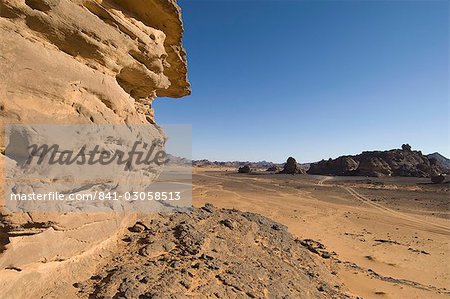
382	237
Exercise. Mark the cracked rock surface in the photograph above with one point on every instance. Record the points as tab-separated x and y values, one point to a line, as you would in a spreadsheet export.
210	252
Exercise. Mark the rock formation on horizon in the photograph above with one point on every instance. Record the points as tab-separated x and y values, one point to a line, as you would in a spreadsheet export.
79	62
396	162
291	167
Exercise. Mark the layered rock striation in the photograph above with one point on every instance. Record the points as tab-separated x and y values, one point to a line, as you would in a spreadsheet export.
90	61
78	62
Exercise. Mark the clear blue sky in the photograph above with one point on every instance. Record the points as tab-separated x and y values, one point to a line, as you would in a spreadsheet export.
313	79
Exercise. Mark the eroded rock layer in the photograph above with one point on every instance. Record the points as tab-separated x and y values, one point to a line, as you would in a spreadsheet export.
75	61
78	62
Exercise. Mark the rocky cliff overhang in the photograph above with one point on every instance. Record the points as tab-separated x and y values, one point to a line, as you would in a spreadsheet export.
164	15
50	47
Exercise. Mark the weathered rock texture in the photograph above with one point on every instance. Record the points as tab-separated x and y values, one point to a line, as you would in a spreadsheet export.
396	162
441	161
78	62
89	61
211	253
291	167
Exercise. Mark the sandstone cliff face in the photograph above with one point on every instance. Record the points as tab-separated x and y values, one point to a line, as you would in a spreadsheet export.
89	61
396	162
79	62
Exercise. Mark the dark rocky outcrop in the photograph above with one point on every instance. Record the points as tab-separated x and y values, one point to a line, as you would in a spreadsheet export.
341	166
440	160
291	167
406	147
374	166
396	162
244	169
220	254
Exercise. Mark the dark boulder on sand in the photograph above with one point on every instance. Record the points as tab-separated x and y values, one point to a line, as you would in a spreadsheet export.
244	169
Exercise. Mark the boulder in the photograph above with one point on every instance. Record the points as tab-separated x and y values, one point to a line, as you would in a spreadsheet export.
291	167
244	169
406	147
